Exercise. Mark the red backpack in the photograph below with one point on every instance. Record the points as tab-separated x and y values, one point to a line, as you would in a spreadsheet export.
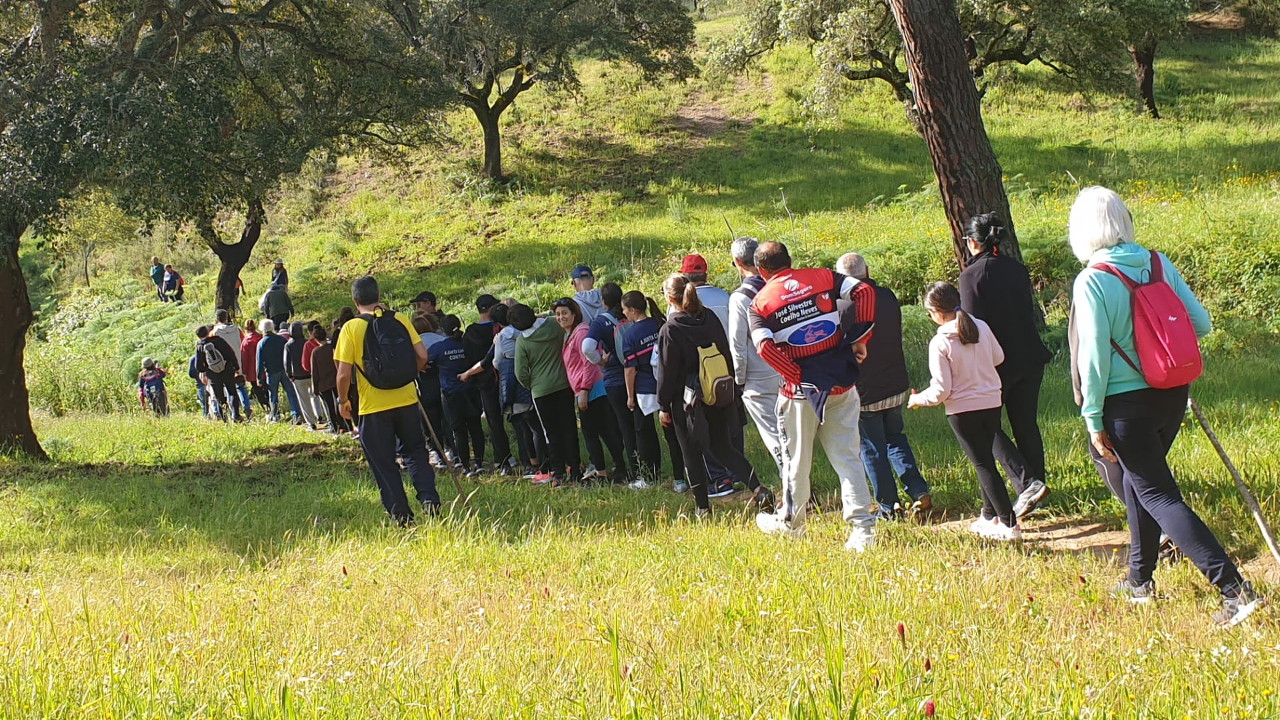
1168	350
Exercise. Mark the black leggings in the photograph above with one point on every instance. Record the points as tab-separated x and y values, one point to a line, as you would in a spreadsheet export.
626	422
975	431
677	455
705	429
600	425
337	423
560	427
464	423
530	440
1022	456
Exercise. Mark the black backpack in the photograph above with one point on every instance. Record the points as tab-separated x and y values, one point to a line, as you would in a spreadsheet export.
390	361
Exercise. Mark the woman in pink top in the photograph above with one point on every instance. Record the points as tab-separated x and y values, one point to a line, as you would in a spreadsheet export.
963	357
586	379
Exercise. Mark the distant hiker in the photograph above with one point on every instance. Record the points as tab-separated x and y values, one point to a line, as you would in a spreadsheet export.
324	379
151	389
883	388
202	387
811	325
696	393
279	275
963	357
385	354
174	284
231	334
599	425
758	381
249	363
277	305
996	289
478	341
298	374
271	371
1130	419
219	363
461	399
425	302
585	293
539	366
157	277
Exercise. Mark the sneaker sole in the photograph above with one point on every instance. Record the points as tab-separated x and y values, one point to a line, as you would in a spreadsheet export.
1031	504
721	493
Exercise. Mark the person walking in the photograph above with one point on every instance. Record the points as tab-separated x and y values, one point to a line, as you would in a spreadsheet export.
151	390
174	285
299	376
758	381
231	334
690	343
635	341
883	387
478	341
599	426
279	275
963	356
996	289
389	418
804	328
271	372
539	366
324	380
1129	420
157	277
217	362
249	363
277	305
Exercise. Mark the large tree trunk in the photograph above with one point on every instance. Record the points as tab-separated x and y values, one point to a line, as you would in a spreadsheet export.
232	257
489	118
950	110
16	432
1144	62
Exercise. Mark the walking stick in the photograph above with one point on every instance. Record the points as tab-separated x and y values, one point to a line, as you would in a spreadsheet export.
440	450
1249	498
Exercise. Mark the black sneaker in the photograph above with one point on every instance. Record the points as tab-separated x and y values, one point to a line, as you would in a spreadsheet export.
1237	604
763	499
1030	498
1140	593
720	489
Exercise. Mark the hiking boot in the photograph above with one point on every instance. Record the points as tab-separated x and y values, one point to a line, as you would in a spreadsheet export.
763	499
680	486
860	540
720	489
924	503
773	524
1238	603
1138	593
1029	499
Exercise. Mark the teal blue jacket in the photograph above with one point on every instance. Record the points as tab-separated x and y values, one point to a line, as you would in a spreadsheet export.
1103	312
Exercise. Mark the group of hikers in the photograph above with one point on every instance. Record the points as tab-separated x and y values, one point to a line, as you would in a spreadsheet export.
809	355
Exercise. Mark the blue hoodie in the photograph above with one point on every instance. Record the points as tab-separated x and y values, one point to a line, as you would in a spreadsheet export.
1103	312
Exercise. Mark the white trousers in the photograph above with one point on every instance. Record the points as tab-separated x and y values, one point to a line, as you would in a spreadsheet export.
308	401
761	400
842	444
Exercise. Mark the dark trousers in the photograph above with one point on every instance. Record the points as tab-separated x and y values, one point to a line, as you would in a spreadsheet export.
434	410
337	423
462	413
491	404
976	431
600	430
626	423
224	392
560	428
677	455
648	450
530	438
383	435
1142	425
703	430
1023	456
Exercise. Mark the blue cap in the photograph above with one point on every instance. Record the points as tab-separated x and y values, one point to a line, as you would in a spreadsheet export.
582	271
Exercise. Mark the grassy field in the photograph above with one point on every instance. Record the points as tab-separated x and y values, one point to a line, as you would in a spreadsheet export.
183	569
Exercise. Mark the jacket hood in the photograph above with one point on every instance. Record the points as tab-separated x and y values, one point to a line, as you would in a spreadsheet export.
950	328
590	301
1129	255
295	330
689	320
546	332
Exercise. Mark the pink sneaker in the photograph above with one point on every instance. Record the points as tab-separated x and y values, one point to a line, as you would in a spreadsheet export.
542	478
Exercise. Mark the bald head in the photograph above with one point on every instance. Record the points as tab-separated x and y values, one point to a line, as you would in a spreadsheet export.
852	265
772	258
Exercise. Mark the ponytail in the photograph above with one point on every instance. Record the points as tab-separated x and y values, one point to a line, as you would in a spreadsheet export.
944	297
988	231
655	312
682	294
968	329
636	300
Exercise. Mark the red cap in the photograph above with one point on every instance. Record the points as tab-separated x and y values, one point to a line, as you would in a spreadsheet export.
694	265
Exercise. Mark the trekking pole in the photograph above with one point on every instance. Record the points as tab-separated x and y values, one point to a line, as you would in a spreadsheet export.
1249	498
431	430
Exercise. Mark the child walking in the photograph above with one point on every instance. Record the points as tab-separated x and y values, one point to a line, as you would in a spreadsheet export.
963	356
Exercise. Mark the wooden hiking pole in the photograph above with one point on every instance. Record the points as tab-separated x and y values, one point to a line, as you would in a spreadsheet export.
1249	498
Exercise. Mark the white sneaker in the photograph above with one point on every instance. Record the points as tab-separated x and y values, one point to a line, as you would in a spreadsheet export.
640	484
981	524
997	530
773	524
591	473
860	540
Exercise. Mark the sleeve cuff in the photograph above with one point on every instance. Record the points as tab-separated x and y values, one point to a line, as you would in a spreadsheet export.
1093	423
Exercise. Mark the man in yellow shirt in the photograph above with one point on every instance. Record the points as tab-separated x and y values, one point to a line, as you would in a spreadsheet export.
387	417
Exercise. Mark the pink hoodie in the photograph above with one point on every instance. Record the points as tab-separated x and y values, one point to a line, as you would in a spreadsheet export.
582	372
964	376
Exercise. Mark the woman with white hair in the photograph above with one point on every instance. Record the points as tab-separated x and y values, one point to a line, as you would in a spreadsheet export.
1130	421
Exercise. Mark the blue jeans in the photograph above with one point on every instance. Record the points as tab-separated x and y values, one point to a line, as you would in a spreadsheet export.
274	381
202	397
886	450
243	390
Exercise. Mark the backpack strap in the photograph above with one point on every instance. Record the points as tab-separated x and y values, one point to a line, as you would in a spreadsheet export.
1131	285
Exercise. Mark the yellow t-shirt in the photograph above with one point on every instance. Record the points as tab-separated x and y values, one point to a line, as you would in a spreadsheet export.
351	350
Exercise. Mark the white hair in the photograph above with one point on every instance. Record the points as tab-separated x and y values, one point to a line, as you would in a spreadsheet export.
267	326
743	250
852	265
1099	219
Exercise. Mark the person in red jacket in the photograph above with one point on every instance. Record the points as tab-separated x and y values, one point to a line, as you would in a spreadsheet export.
249	362
802	327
